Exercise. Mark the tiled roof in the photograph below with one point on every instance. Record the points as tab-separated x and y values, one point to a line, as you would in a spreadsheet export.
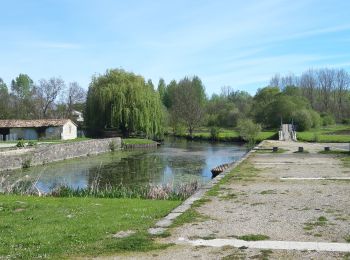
32	123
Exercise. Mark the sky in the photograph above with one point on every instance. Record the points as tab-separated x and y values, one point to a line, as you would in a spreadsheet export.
241	44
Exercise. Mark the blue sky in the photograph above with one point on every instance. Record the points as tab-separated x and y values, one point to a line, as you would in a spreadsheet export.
226	43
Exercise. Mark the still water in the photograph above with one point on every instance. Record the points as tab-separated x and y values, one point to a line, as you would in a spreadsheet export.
176	161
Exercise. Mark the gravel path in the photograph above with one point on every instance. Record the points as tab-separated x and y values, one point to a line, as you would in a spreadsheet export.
283	210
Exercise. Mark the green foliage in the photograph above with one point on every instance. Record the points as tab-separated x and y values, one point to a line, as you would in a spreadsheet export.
188	102
20	144
327	119
31	143
30	226
214	133
137	141
22	86
249	130
221	112
316	119
123	101
253	237
302	120
332	134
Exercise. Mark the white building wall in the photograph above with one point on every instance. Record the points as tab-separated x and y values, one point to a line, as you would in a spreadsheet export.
69	131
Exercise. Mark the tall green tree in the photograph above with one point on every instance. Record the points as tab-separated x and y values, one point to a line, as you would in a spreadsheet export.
4	100
22	93
161	89
168	97
188	102
22	86
123	101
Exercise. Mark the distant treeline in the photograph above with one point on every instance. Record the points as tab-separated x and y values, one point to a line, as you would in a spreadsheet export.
126	102
317	97
48	98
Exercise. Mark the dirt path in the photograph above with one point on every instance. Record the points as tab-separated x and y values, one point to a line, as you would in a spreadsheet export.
312	210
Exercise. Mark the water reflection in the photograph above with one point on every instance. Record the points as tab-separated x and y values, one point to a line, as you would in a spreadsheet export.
176	161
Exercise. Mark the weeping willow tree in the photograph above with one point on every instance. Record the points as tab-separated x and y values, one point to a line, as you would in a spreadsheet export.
123	101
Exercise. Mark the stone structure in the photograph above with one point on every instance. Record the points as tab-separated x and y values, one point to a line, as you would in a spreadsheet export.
64	129
56	152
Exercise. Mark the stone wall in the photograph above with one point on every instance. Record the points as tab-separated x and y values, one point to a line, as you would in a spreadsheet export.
57	152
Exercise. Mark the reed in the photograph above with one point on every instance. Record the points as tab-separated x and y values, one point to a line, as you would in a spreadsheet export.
24	186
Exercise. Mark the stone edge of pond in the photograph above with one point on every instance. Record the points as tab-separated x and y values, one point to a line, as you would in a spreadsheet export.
161	226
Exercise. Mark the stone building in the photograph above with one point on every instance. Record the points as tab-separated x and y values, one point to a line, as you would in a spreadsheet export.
43	129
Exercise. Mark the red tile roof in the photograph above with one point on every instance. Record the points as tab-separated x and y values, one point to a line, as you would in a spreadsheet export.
32	123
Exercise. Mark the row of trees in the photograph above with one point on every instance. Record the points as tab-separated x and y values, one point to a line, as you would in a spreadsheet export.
128	103
327	90
49	98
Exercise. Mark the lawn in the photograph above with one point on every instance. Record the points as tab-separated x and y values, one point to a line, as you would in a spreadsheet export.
329	134
137	141
38	227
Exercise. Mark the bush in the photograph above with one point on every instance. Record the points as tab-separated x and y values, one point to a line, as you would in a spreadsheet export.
316	119
328	119
31	143
20	144
248	130
214	133
303	120
346	121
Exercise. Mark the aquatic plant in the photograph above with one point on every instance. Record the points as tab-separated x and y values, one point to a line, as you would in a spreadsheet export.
24	186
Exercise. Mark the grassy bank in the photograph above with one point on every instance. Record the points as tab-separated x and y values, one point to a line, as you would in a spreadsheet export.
137	141
329	134
225	135
39	227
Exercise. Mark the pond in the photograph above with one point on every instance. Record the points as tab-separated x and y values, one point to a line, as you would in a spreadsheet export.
177	160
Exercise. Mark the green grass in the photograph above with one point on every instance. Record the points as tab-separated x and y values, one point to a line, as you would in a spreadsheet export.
189	216
253	237
137	141
337	152
321	221
38	227
330	134
226	135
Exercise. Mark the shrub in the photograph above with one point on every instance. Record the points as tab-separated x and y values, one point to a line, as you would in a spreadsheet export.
327	119
346	121
214	133
32	143
248	130
20	144
316	119
303	120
